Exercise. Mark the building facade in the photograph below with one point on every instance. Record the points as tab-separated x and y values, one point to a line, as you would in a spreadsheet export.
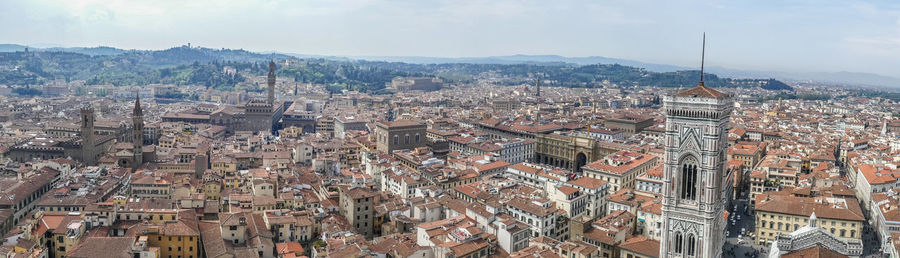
696	141
400	135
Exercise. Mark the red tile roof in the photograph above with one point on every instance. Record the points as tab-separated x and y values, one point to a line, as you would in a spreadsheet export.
701	91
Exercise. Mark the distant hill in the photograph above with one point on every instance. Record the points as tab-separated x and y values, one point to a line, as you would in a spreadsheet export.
177	55
11	47
205	66
835	78
525	59
181	66
93	51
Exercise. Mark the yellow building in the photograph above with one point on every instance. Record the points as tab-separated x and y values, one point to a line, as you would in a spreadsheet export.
783	214
59	232
212	190
179	238
224	164
152	184
748	153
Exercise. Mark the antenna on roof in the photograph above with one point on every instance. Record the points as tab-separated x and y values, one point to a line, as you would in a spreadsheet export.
702	57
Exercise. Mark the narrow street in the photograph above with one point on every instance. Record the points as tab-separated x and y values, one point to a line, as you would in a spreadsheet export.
746	223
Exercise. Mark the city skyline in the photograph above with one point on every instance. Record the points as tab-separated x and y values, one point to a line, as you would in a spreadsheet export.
797	36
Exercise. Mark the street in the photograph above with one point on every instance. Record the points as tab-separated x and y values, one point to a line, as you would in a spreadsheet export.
746	248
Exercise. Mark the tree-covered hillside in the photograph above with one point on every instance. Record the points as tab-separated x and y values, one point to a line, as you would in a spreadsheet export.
226	69
585	76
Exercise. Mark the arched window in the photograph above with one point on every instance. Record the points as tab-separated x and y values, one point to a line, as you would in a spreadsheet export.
690	245
689	179
796	227
678	242
779	225
396	139
843	233
852	233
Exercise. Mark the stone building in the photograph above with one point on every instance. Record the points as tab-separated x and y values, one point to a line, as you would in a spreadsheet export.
400	135
569	151
358	206
694	173
255	115
630	124
814	241
133	156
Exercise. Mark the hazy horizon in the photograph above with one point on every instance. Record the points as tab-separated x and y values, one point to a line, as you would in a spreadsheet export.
792	36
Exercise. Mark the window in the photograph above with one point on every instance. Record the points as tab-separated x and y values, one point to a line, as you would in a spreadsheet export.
689	179
678	243
396	139
690	245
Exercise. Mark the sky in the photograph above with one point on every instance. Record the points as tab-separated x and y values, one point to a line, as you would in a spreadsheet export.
784	35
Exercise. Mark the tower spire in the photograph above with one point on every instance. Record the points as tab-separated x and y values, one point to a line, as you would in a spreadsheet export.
137	104
702	57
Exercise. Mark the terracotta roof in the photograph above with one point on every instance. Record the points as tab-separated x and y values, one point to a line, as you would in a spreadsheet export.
567	190
804	206
492	165
622	162
701	91
642	245
103	247
588	182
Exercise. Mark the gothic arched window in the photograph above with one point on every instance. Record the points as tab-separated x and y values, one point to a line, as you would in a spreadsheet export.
678	243
690	245
689	178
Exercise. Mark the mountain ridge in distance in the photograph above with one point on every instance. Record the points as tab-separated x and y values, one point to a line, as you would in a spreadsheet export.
836	78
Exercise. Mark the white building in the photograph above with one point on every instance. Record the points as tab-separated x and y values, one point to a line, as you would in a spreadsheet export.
696	141
813	236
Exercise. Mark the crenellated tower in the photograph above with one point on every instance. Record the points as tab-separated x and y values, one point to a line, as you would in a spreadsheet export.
271	83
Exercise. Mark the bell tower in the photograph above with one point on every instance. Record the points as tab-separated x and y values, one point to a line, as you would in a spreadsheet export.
271	83
137	133
88	141
693	177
